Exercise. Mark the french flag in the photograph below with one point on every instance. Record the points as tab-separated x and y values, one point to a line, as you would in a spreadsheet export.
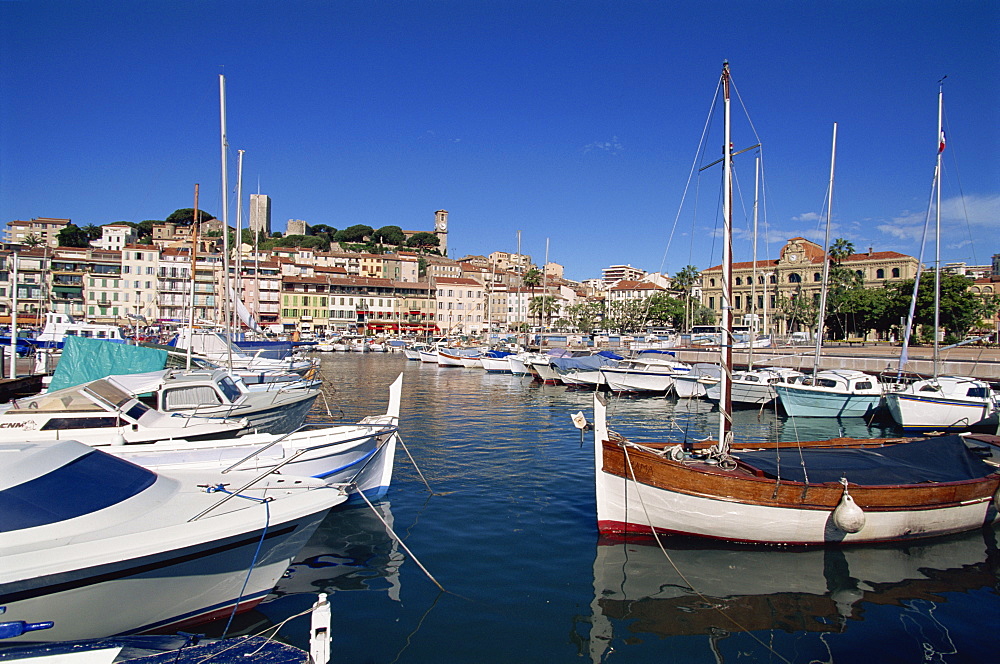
941	143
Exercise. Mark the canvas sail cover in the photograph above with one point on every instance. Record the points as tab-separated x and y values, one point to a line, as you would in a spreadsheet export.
84	360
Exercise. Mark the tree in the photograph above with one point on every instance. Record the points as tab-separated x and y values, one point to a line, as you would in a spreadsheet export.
626	315
532	278
584	316
684	282
186	216
423	240
665	310
841	249
32	241
389	235
73	236
355	233
145	228
542	306
93	232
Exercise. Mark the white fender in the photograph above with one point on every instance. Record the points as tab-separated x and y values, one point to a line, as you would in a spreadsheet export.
848	516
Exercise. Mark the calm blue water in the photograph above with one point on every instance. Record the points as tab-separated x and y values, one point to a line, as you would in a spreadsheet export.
510	534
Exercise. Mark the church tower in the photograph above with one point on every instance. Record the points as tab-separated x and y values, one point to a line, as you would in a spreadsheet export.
441	230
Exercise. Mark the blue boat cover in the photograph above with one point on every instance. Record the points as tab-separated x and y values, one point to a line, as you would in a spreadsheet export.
84	360
586	363
939	459
496	354
655	351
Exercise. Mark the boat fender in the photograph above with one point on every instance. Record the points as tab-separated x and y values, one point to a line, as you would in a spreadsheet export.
996	499
118	438
676	453
848	516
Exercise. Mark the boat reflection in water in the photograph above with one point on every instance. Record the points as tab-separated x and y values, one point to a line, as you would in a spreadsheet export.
762	600
351	550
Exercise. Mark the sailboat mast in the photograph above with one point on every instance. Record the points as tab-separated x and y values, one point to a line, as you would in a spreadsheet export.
238	285
820	321
224	146
937	231
753	272
194	248
726	341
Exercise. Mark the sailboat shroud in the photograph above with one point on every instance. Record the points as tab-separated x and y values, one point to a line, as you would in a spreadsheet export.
844	492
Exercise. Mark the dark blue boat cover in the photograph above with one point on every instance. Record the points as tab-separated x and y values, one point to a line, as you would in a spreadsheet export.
586	363
940	459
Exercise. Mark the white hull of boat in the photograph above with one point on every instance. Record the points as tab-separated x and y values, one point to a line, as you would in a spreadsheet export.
688	387
429	357
634	380
623	507
496	364
517	366
917	411
583	378
546	373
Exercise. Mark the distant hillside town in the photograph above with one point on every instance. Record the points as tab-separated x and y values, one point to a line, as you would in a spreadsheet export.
318	280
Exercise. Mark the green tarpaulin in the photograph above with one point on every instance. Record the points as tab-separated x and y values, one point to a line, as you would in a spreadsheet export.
84	360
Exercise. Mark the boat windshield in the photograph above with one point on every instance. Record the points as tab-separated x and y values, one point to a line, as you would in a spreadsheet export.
59	401
104	390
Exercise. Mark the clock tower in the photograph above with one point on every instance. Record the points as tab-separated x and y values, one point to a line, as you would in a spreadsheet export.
441	230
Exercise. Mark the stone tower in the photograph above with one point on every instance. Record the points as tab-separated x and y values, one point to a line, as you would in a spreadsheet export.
441	230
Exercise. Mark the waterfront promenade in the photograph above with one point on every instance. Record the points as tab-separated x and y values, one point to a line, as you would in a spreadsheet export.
976	361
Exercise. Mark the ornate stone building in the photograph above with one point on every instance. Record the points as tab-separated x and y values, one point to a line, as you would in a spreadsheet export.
798	272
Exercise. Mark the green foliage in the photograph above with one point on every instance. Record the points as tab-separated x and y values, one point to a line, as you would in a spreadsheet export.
72	236
423	240
542	307
32	240
585	316
663	309
355	233
532	278
145	228
186	216
389	235
626	316
840	249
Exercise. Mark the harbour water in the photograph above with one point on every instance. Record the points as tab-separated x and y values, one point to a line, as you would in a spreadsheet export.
509	532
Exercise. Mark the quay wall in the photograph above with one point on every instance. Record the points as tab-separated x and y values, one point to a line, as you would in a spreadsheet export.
984	365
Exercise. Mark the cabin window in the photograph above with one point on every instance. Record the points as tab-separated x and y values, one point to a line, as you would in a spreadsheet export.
825	382
230	388
863	386
977	392
190	397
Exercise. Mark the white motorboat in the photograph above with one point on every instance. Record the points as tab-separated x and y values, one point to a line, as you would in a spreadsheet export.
695	383
360	455
644	375
495	361
215	393
100	412
218	349
101	547
830	393
754	387
58	326
944	403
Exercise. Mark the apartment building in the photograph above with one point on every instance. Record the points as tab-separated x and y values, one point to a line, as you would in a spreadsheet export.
461	305
44	229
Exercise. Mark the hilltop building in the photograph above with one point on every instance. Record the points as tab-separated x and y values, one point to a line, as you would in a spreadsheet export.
260	213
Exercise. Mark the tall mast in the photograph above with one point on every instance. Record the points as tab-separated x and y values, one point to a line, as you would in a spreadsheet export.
13	315
224	145
194	245
238	286
820	322
726	342
937	231
753	273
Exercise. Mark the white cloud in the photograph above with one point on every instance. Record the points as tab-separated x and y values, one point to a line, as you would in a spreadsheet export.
959	216
808	216
614	146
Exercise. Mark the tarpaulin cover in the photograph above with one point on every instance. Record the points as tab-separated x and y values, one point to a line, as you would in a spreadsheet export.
84	360
588	363
941	459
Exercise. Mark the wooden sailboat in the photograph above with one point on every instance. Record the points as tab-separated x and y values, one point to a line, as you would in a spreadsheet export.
791	493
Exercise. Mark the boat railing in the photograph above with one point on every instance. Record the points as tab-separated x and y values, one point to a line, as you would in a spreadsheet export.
386	429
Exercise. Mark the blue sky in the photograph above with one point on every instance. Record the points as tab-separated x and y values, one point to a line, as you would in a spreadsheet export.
573	121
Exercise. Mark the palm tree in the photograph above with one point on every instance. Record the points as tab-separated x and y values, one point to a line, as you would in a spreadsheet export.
841	249
542	306
532	278
32	241
685	281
